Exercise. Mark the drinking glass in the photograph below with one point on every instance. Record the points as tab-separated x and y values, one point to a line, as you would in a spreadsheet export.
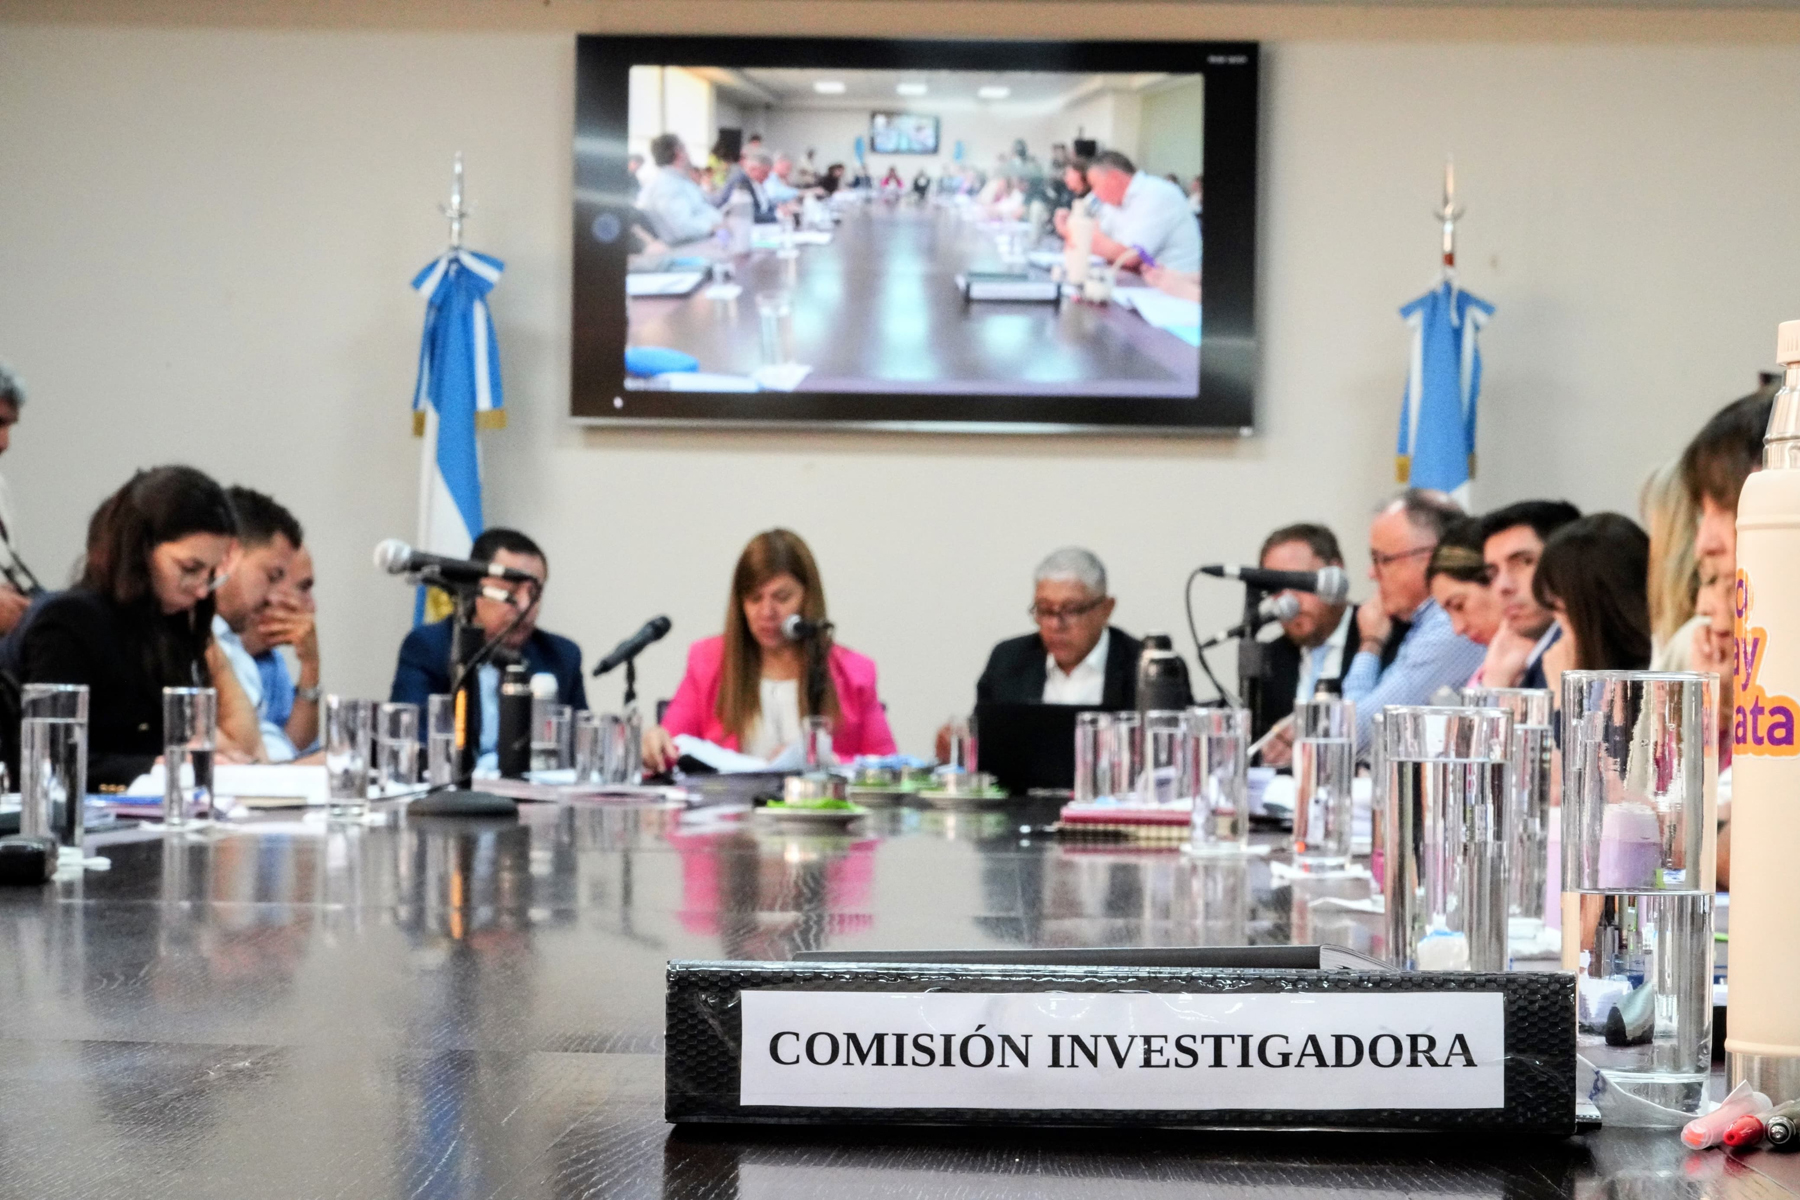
1444	862
1165	759
631	754
964	754
53	760
1324	752
551	733
440	741
1127	754
1640	798
190	733
815	741
614	748
1528	811
1093	750
776	313
1219	754
588	747
348	727
396	746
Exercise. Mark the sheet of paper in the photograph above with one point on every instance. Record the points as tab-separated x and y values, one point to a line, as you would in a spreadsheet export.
725	762
1172	313
662	283
781	377
706	381
307	784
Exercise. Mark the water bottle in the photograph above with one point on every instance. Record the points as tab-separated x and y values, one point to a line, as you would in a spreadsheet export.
1763	1029
513	744
740	215
1162	678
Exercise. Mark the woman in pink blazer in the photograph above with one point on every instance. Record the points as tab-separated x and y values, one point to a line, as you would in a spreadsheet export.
746	689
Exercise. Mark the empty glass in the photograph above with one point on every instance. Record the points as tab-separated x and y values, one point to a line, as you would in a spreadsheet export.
1324	752
631	755
348	734
396	746
552	735
1219	754
190	733
776	313
1093	762
1445	845
1528	810
589	755
964	755
1127	754
1165	759
440	741
614	751
815	742
1640	796
53	761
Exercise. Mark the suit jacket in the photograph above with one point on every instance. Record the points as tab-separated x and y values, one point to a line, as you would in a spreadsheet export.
1282	675
1016	671
763	208
424	666
861	727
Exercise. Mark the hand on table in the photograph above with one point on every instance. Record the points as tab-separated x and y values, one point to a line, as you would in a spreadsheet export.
659	750
1130	260
1278	751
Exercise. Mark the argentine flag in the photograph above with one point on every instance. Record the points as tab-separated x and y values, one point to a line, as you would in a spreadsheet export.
457	393
1437	416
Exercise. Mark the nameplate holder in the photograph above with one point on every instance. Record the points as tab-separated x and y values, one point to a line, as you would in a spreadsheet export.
1102	1045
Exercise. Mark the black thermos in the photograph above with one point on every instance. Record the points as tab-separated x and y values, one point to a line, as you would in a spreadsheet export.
1162	678
514	736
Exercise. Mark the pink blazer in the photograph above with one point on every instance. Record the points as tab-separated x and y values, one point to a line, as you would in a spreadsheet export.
863	729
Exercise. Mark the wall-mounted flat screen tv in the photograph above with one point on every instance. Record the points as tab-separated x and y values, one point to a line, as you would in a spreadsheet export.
896	241
903	133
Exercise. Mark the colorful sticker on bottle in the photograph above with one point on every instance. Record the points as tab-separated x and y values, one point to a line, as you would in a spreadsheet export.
1762	724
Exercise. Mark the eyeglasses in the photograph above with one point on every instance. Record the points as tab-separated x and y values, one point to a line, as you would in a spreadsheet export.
1383	561
1063	616
187	578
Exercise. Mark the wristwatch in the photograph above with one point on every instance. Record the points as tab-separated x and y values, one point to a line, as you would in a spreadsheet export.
311	694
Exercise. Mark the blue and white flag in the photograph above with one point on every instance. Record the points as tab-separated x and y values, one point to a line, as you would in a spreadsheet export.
458	392
1437	415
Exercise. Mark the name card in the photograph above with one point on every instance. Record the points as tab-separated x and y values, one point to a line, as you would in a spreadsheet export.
1315	1050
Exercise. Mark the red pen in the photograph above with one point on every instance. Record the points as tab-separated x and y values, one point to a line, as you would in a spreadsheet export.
1745	1131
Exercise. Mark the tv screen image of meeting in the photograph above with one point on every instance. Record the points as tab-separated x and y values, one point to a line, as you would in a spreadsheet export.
903	244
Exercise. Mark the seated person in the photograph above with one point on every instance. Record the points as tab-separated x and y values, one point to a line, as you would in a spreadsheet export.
1593	577
1512	540
1144	219
1431	655
139	619
268	538
1315	645
1458	579
289	620
16	581
746	689
1075	657
780	184
752	174
424	667
678	210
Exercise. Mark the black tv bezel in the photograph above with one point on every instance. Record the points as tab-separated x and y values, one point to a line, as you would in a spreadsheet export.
1228	352
937	132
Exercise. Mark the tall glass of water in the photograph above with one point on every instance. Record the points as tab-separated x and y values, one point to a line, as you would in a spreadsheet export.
1127	754
614	753
1093	746
1324	753
1165	759
440	740
1528	811
633	761
53	761
552	732
1640	798
964	756
190	732
589	754
1444	848
815	742
1218	747
396	746
348	727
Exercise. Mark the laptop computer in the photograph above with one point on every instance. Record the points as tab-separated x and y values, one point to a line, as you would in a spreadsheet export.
1026	746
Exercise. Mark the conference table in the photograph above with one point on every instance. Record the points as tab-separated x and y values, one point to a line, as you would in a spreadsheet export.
430	1007
877	309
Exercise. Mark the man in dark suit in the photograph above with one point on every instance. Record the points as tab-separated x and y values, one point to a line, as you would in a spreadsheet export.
1316	644
749	176
1075	657
424	666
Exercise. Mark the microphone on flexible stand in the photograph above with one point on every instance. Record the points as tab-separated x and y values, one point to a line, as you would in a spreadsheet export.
1331	584
397	558
1273	608
797	628
654	630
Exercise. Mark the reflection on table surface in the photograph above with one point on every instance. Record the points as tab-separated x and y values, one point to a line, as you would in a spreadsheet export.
877	310
432	1007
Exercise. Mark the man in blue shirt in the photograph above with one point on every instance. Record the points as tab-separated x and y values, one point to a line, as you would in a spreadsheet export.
289	620
1431	656
424	667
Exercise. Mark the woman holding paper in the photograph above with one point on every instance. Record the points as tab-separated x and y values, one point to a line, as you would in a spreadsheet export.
746	689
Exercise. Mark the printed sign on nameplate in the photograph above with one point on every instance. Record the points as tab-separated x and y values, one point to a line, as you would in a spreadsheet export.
1148	1051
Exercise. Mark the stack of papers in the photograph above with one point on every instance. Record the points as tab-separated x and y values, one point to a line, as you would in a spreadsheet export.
662	283
1172	313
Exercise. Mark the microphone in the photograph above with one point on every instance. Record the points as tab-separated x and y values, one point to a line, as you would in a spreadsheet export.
653	631
1329	583
1272	608
397	558
797	628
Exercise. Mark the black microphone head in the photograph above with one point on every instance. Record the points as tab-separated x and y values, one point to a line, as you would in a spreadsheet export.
659	626
795	627
392	556
1334	585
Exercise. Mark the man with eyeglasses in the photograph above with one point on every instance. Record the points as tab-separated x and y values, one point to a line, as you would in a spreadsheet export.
1430	656
1075	657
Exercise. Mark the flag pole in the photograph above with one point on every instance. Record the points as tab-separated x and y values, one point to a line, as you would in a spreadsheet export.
1448	213
455	210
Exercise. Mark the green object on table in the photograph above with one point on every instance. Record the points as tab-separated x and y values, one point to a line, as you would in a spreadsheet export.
784	806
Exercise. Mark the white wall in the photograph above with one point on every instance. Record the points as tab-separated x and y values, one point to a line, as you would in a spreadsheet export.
208	236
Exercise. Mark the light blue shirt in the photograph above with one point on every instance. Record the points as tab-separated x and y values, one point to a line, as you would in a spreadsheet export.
1431	656
250	678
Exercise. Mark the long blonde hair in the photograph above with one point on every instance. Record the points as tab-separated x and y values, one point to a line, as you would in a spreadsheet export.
770	553
1672	518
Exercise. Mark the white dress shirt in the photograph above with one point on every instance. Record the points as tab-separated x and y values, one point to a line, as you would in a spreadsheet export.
1085	685
778	723
1154	214
677	208
275	739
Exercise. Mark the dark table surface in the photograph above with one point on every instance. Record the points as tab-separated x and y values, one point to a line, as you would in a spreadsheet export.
878	310
433	1008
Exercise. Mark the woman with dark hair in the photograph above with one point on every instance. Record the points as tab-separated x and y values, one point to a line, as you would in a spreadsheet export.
1593	575
746	689
139	619
1458	579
